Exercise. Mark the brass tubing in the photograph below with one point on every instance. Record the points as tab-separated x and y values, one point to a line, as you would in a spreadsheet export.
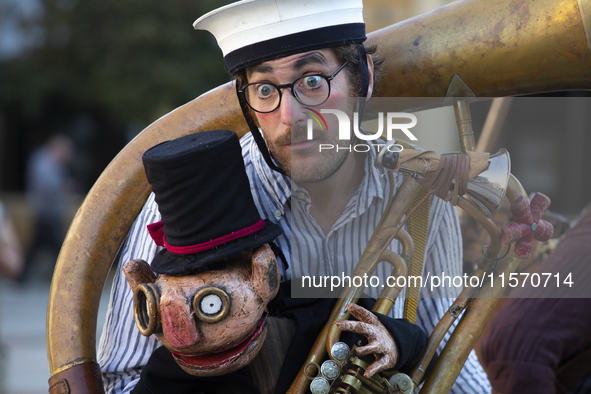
493	124
462	340
585	10
408	247
491	228
497	47
464	123
435	339
316	355
514	189
467	292
388	295
386	299
370	387
454	355
443	326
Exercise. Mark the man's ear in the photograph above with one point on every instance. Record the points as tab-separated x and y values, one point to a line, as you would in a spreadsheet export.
370	69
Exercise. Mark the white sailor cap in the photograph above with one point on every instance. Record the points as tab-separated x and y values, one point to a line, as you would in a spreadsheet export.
250	32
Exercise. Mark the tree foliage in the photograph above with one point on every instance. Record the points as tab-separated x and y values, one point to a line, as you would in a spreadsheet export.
100	71
132	59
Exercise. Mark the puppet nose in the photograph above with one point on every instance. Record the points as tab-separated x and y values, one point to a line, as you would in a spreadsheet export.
178	325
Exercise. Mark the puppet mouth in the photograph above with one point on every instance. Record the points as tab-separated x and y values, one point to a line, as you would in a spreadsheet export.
221	357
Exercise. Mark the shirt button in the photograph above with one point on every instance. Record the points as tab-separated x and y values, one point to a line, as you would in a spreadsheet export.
278	213
301	195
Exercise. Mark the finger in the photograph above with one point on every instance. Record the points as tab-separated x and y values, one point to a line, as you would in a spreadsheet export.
381	364
362	314
372	348
357	327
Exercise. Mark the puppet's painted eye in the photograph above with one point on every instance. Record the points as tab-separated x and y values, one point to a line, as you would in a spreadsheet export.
211	304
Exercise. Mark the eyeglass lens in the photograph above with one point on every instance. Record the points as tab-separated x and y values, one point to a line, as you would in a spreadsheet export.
309	90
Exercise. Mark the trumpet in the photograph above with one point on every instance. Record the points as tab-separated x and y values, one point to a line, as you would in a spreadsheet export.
374	253
487	192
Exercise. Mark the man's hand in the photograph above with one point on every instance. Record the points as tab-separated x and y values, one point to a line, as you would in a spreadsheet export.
381	344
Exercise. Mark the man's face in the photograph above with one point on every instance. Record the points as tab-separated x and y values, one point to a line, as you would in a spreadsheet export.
285	129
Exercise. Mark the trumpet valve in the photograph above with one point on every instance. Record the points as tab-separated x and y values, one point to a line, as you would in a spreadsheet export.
330	369
319	385
401	383
340	351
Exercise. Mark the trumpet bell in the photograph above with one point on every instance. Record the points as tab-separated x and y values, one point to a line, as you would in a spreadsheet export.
488	188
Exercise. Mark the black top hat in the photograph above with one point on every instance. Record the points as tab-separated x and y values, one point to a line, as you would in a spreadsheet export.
203	195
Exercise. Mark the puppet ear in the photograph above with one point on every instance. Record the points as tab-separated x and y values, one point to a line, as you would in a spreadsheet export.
265	273
138	272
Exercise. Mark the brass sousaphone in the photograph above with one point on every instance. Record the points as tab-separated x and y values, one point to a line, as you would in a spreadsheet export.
482	48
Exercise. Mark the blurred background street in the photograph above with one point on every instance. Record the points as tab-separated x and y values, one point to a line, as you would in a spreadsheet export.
78	80
23	351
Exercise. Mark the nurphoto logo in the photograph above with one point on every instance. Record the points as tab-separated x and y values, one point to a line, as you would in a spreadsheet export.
390	119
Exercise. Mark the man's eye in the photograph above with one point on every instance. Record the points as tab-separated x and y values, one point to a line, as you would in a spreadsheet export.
312	81
265	90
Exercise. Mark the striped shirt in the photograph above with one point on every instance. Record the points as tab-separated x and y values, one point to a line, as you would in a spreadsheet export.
123	350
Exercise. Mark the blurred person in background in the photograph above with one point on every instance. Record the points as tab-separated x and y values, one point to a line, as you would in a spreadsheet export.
48	185
540	341
11	253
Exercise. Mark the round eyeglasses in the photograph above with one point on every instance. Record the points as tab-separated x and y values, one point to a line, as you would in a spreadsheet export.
311	90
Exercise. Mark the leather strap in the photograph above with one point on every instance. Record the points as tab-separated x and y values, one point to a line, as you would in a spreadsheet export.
83	378
418	228
452	167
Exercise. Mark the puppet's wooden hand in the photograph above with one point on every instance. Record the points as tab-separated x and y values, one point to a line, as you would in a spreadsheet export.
381	344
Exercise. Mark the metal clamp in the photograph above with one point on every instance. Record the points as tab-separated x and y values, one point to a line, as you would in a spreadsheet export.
387	159
455	310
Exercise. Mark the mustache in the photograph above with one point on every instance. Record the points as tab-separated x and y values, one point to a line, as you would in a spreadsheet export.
293	135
